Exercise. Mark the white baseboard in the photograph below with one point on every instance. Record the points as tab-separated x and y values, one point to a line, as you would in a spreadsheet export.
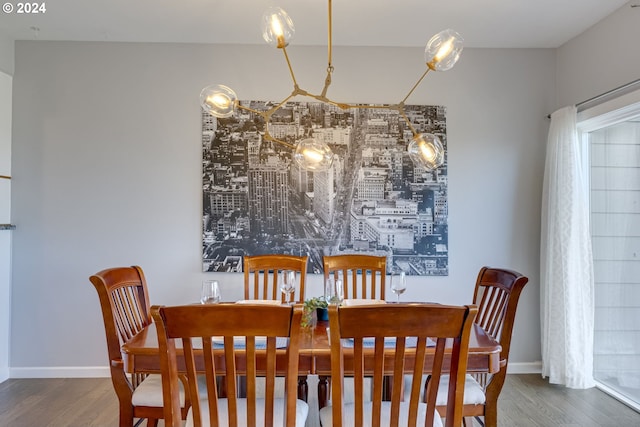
524	368
61	372
103	371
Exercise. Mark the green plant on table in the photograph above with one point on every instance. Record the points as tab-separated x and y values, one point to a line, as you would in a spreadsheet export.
309	308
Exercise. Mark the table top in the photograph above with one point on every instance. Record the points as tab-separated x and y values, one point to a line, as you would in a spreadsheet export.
140	354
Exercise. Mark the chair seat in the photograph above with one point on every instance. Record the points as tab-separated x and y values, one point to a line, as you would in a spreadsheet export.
473	392
348	411
302	411
149	392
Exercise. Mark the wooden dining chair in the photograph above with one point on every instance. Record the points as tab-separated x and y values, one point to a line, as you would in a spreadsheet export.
363	276
262	276
124	301
496	294
394	339
252	340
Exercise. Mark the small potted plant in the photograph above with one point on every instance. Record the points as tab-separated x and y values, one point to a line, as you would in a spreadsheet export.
314	306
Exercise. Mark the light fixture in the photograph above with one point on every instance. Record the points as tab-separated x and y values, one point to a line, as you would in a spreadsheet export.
425	150
313	155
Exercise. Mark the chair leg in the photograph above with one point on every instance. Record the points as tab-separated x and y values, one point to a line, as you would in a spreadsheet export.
323	391
491	416
152	422
303	388
491	407
126	416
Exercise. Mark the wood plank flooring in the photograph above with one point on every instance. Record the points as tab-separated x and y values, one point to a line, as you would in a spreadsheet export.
526	401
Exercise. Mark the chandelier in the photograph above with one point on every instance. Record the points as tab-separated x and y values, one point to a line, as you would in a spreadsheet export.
425	149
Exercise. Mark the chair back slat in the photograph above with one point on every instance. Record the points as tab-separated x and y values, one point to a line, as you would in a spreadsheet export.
421	332
226	337
492	307
169	353
262	276
363	276
398	372
130	312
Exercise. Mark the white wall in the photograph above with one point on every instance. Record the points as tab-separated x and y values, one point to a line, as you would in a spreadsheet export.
602	58
6	54
107	172
5	218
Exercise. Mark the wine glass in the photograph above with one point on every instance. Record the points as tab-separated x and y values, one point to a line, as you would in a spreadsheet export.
210	292
288	285
398	284
333	291
339	291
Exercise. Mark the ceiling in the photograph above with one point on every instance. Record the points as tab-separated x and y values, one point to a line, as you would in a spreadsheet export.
482	23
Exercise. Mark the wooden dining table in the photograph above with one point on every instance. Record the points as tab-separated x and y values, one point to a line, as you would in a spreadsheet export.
140	355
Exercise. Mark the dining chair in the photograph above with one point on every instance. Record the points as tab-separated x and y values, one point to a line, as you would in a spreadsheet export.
262	276
363	277
496	294
369	269
394	339
252	340
124	300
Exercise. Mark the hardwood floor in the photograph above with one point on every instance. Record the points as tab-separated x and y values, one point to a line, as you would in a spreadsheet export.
59	402
530	401
526	401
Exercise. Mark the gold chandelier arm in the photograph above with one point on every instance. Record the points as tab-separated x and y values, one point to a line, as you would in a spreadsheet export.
406	119
242	107
415	85
267	114
323	98
268	137
286	57
327	80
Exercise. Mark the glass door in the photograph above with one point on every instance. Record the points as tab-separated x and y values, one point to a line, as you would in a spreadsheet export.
614	162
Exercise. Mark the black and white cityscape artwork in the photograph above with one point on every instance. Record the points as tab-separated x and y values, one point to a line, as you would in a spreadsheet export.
372	200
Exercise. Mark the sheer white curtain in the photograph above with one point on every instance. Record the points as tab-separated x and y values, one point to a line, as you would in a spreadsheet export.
566	263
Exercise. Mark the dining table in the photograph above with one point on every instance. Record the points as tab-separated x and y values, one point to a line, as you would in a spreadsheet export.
141	355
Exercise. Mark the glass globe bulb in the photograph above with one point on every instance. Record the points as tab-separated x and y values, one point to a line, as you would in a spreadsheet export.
218	100
277	27
426	151
313	155
443	50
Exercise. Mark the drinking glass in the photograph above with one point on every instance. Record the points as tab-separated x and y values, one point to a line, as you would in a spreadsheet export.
398	284
288	285
333	291
210	292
